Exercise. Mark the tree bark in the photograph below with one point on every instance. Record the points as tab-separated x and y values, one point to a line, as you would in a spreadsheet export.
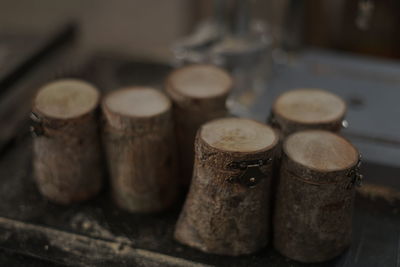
141	155
67	157
190	112
224	214
313	211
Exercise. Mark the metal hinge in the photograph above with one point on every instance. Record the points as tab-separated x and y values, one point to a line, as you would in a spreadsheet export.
36	127
251	174
355	176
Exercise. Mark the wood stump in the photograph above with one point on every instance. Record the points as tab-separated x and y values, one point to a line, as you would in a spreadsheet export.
227	210
199	94
315	195
140	147
303	109
66	148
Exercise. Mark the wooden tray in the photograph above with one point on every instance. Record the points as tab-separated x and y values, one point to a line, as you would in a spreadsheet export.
35	232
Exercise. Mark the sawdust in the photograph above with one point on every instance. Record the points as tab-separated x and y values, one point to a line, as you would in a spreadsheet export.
87	225
122	245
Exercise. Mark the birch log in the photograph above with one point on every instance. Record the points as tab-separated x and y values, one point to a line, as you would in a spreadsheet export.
303	109
140	147
315	195
227	210
199	94
66	148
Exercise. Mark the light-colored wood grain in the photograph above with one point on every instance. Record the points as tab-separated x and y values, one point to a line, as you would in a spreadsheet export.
236	134
137	102
310	106
200	81
66	98
321	150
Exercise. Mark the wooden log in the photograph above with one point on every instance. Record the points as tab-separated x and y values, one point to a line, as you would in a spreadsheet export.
303	109
227	210
199	94
140	147
66	149
315	195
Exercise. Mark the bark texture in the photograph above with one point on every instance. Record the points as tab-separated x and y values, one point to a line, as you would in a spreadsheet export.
285	127
189	114
220	217
313	212
141	155
67	157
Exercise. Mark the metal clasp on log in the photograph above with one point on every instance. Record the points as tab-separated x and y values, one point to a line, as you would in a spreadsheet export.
36	127
251	174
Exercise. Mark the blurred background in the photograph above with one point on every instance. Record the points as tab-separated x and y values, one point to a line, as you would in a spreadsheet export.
148	28
348	47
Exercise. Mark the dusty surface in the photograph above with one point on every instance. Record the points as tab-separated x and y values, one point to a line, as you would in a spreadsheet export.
86	251
90	226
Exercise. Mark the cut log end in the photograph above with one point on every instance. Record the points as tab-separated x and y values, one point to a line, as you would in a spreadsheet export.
238	135
137	102
200	81
311	106
66	99
321	150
